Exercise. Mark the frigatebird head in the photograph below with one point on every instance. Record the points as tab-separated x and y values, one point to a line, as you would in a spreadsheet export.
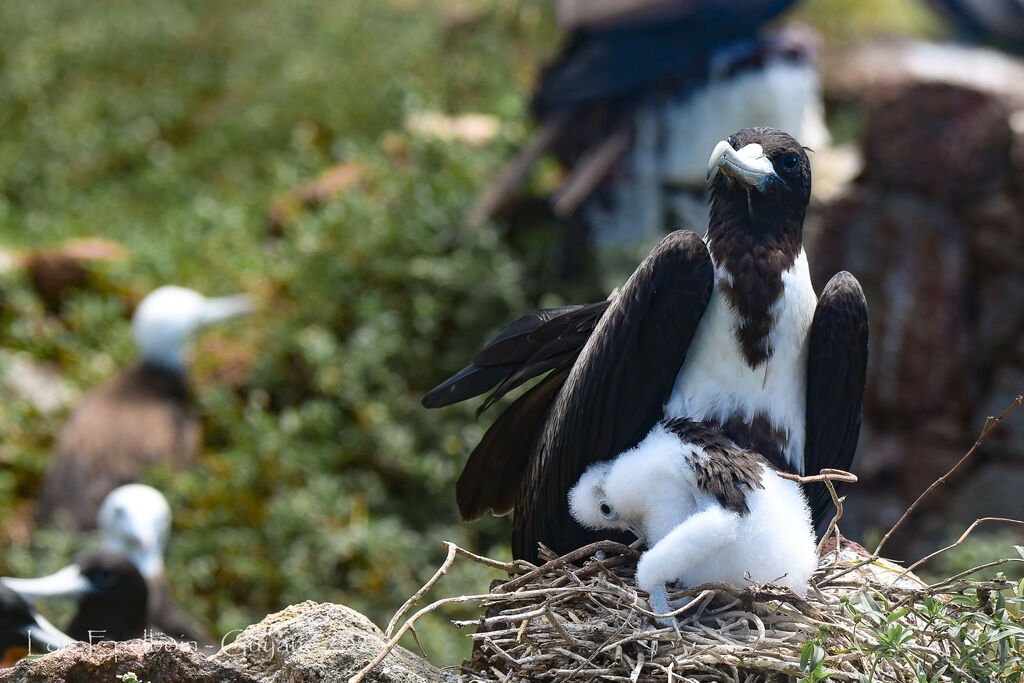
135	521
763	170
168	317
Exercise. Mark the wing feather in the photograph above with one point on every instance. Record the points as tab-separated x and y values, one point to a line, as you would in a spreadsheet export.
836	373
492	475
617	388
552	334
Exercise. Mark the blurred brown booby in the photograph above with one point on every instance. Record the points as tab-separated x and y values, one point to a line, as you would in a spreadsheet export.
141	417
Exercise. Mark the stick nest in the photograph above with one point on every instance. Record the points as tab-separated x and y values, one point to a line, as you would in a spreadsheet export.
581	617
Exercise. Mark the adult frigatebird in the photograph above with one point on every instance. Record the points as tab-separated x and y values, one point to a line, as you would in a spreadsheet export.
724	329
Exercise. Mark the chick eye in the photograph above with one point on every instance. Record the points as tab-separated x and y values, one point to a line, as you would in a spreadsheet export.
606	510
790	161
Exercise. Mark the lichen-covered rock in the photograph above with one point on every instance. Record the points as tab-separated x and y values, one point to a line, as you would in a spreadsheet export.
157	660
320	642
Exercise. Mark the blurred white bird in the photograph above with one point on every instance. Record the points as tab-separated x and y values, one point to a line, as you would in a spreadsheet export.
135	521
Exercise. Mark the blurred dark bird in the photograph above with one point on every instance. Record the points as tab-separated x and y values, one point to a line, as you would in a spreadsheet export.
998	22
636	98
724	330
56	272
135	521
143	416
23	630
111	596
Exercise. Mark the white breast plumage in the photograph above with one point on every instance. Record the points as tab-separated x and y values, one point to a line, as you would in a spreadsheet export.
715	381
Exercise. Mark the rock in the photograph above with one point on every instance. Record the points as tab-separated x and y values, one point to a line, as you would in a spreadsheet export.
911	258
973	158
157	660
314	642
864	71
41	384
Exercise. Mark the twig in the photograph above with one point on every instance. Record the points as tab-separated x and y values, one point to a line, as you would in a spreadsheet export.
452	550
990	424
408	625
580	553
826	475
956	577
838	502
958	541
513	567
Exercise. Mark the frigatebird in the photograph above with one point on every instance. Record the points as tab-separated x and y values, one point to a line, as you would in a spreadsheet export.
724	329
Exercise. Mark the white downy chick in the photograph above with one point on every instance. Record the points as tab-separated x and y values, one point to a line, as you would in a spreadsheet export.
708	514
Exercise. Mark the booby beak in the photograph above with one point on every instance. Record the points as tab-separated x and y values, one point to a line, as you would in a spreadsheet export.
216	309
69	582
748	165
148	558
42	636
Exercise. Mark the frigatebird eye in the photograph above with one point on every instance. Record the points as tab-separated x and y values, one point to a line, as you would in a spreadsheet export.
790	161
606	510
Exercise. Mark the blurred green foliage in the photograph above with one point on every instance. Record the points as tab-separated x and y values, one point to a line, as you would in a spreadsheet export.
168	127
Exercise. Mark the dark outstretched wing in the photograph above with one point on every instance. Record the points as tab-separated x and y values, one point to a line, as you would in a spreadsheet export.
494	472
549	339
616	390
837	362
529	347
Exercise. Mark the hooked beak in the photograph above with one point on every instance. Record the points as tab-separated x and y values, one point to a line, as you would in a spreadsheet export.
42	636
216	309
66	583
748	165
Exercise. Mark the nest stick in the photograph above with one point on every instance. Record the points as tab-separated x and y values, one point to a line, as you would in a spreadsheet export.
452	550
990	424
963	537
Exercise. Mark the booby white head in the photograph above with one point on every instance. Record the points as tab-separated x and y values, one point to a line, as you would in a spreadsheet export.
168	316
135	521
